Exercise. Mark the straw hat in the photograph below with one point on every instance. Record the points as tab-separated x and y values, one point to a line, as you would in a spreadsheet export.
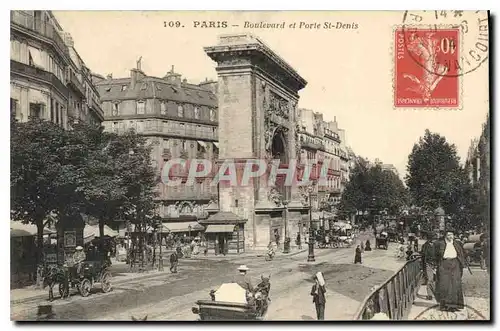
79	248
243	268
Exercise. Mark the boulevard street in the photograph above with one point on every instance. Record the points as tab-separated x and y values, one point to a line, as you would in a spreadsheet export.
171	296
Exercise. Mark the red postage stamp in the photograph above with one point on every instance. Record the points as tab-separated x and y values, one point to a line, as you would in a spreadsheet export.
427	66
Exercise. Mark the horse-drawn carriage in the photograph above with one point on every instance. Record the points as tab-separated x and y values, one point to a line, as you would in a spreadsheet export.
233	302
474	251
83	278
382	240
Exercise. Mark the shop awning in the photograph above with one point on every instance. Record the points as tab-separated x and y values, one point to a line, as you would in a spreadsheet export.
181	227
202	144
18	229
90	230
217	228
216	145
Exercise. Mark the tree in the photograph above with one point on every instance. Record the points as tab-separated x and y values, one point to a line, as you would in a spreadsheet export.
43	176
435	177
372	189
117	172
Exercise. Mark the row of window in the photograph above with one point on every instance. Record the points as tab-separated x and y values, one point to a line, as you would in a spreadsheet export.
33	56
38	110
188	129
141	110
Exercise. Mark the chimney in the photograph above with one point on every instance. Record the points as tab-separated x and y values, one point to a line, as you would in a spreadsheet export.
210	85
109	76
173	78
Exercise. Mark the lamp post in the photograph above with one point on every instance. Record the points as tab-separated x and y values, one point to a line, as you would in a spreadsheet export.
160	258
286	243
310	257
189	229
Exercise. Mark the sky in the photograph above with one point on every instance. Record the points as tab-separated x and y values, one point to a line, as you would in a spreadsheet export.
349	71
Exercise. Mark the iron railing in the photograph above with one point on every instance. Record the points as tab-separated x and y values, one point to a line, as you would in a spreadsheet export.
39	26
396	295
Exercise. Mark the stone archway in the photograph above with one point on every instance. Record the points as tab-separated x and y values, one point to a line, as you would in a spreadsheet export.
279	146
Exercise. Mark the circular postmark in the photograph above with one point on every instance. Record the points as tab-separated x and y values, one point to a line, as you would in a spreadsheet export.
433	313
456	41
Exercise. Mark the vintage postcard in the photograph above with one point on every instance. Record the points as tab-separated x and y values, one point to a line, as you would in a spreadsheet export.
256	166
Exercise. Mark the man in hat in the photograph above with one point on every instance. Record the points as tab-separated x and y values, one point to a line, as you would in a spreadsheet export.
318	293
428	264
243	279
450	262
78	258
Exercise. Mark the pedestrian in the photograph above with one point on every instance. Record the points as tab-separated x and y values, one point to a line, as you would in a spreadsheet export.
298	242
318	293
357	256
428	264
415	245
450	261
367	246
205	248
174	261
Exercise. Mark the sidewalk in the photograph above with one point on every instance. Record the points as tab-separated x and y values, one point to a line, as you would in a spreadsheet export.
424	310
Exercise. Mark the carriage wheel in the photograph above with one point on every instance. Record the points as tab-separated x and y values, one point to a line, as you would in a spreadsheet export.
85	287
63	291
106	282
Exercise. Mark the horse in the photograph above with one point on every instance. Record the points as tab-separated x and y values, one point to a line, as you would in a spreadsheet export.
56	275
261	295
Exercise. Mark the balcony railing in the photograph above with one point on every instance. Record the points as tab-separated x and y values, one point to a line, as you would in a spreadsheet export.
75	83
43	28
45	76
184	192
395	296
96	107
312	145
159	128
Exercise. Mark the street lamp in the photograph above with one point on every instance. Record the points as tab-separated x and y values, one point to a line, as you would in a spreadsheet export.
160	258
286	247
189	229
310	257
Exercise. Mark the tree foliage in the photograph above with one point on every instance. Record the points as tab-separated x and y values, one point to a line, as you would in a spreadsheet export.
372	189
436	178
82	170
44	176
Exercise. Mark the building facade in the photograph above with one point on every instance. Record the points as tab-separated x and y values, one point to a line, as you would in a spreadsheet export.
46	80
478	166
250	112
179	119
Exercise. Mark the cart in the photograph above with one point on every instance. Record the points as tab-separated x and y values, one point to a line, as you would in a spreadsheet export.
382	240
232	302
93	272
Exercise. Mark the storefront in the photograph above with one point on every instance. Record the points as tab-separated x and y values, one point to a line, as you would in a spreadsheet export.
225	233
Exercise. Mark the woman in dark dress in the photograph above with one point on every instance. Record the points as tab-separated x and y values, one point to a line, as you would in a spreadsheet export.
367	246
357	256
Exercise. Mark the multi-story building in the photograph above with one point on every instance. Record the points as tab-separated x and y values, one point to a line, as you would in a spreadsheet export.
478	167
179	119
324	142
47	76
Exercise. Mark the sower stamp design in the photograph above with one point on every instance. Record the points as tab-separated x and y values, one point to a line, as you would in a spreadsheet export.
426	67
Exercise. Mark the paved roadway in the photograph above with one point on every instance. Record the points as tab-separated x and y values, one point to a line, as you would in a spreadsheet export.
171	296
